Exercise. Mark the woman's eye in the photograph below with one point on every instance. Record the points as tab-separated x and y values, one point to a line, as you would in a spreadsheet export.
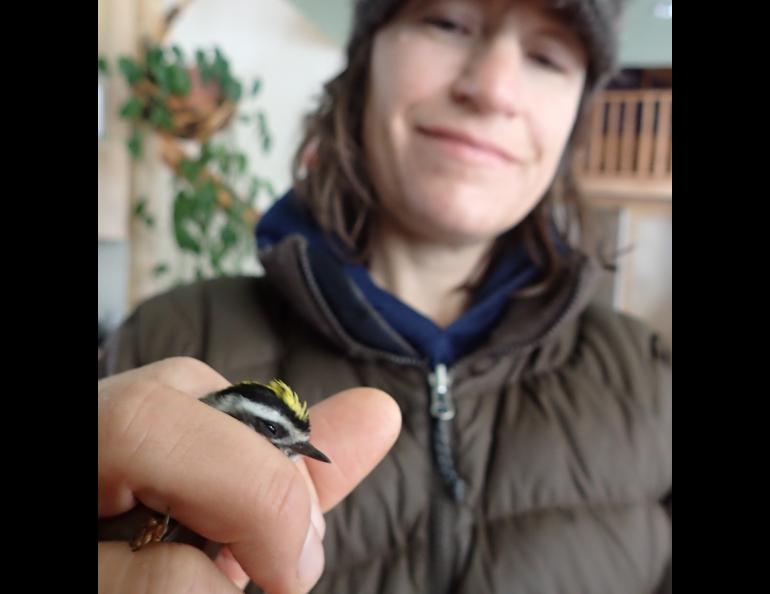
546	62
446	25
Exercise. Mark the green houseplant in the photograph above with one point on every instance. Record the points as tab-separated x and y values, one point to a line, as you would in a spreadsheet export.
196	103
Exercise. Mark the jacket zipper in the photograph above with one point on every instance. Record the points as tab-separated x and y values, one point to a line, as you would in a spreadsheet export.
443	548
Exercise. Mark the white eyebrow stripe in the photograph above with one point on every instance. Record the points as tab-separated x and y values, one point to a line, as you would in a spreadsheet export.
234	405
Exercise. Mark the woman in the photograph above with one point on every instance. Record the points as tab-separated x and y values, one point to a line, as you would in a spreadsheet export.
419	254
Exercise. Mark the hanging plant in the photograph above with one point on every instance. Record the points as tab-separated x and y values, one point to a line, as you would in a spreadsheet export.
215	193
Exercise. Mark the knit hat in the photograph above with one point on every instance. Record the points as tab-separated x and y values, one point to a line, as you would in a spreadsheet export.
595	21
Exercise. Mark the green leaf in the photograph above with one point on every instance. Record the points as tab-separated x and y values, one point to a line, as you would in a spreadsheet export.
207	152
255	87
219	151
134	143
130	70
182	204
207	196
233	90
140	212
264	132
202	204
221	69
162	76
225	162
253	190
160	269
238	208
179	80
262	121
220	62
158	69
160	117
241	162
207	73
190	169
228	235
269	187
140	207
184	239
132	108
154	58
178	53
216	256
204	68
104	67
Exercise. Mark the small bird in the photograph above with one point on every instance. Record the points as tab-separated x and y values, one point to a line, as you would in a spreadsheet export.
273	410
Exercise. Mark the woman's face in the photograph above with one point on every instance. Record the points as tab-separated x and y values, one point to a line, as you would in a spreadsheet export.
469	107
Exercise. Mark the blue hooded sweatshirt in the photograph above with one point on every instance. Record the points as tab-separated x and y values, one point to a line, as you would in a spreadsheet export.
343	283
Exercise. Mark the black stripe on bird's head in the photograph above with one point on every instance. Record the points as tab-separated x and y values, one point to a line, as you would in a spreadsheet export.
283	399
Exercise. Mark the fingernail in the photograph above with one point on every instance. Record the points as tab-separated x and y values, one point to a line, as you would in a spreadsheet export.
228	565
316	516
311	561
317	519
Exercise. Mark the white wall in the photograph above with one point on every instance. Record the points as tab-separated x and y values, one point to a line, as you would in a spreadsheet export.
113	280
272	40
648	276
645	283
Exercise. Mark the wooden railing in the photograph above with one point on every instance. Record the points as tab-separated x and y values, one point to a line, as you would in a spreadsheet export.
627	150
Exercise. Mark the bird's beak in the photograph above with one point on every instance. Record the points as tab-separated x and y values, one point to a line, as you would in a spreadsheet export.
307	449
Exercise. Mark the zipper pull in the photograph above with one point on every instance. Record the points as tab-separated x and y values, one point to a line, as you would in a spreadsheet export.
441	406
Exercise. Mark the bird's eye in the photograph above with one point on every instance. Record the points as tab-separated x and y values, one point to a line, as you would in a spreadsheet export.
271	428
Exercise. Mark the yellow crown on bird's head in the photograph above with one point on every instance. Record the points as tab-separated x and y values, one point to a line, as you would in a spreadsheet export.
289	398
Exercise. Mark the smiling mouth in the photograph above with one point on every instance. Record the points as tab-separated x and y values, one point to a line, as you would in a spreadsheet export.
465	146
